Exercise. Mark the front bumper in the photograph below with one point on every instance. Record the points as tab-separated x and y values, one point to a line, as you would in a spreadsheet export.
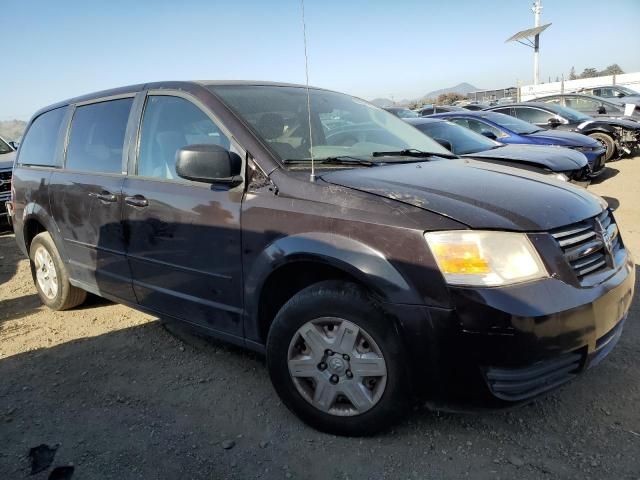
502	346
5	210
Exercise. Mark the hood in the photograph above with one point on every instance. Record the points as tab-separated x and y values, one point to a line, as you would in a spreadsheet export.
616	121
478	194
557	159
6	160
565	139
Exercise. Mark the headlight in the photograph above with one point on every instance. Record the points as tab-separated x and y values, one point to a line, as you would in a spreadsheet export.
559	176
485	258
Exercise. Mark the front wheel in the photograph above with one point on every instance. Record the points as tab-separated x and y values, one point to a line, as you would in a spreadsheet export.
336	360
607	142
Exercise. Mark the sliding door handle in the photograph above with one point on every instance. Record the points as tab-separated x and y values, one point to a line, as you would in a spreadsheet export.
104	196
136	201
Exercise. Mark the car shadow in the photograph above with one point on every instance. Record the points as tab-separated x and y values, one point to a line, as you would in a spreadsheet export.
613	202
9	257
607	173
19	307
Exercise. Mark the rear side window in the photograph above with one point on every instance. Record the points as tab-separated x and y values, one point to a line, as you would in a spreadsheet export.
43	139
96	141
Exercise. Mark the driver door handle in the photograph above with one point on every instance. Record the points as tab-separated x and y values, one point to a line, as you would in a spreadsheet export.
104	196
136	201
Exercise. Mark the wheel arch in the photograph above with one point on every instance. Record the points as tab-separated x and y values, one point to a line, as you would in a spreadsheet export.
35	221
292	263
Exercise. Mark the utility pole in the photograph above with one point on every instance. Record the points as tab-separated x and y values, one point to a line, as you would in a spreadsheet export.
537	11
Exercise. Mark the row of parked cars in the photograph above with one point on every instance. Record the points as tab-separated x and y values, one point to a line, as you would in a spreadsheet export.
372	266
589	140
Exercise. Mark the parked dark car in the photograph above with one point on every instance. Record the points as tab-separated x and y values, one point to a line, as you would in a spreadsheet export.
615	93
561	163
475	106
401	112
431	109
590	105
7	156
618	136
382	272
510	130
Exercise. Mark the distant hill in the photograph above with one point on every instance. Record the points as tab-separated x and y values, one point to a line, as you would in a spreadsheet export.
462	88
12	129
382	102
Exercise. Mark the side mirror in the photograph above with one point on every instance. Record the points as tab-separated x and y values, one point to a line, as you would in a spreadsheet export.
13	144
209	164
553	122
602	110
619	94
445	143
489	134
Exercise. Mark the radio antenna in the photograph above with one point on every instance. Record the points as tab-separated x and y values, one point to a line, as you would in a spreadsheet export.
312	177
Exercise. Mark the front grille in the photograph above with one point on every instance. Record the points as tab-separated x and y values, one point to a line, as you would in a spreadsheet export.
5	181
589	246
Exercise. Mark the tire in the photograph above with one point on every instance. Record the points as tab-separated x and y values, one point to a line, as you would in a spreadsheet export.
382	398
50	275
608	143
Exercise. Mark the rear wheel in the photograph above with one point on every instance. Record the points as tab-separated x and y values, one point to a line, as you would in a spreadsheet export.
607	142
336	360
50	275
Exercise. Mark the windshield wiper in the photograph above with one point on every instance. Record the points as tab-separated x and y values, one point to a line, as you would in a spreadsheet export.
412	152
340	160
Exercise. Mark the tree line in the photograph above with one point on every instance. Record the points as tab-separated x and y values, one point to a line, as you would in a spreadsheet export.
613	69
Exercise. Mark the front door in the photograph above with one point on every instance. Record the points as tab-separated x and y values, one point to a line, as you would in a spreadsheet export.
183	236
86	198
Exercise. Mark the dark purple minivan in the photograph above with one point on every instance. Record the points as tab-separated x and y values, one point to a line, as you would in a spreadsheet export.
371	266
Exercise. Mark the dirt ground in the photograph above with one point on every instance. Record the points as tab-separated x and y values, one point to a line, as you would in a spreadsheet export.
124	398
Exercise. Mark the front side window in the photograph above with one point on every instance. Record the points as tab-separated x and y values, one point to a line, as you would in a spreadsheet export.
96	141
479	126
533	115
169	124
462	140
341	125
582	104
511	123
43	139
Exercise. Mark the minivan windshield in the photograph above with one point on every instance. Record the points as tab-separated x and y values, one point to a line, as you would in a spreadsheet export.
4	147
341	125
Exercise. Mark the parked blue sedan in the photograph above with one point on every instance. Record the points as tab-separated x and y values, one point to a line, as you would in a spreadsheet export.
510	130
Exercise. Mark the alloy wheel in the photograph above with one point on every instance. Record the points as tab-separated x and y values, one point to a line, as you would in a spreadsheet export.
46	274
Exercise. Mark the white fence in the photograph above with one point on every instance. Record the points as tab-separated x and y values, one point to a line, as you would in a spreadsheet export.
529	92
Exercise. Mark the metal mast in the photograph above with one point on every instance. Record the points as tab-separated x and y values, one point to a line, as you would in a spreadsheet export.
537	11
531	38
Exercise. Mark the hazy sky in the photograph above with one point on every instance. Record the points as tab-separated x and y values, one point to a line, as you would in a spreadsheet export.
58	49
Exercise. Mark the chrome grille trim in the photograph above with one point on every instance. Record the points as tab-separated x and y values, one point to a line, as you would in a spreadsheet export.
589	246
